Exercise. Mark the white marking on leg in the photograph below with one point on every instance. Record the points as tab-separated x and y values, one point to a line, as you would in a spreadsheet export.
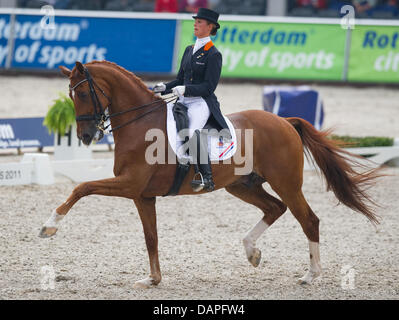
250	239
143	284
253	235
54	220
315	265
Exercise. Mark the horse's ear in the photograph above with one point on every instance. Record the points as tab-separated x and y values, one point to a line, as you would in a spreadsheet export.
65	70
80	67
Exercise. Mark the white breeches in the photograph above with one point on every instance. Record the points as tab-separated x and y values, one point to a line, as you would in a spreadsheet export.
198	112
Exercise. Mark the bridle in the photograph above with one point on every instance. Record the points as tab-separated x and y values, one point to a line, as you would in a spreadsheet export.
101	115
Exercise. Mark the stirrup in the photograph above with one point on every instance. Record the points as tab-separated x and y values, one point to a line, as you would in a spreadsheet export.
198	185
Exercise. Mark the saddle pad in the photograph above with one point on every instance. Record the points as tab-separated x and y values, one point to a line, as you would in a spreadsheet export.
219	149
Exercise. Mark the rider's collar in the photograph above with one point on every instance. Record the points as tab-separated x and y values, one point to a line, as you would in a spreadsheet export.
200	43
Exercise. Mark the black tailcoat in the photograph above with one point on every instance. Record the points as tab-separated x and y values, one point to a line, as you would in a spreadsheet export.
200	74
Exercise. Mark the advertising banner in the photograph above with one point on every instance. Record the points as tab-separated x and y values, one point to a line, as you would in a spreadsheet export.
30	132
374	54
40	45
4	20
277	50
24	133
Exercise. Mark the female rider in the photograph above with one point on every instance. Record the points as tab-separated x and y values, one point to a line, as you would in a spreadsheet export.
196	82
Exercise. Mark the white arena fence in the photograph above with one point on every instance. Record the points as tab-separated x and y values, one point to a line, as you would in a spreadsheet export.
37	168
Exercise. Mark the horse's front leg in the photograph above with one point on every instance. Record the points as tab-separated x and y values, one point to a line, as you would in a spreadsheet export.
108	187
146	209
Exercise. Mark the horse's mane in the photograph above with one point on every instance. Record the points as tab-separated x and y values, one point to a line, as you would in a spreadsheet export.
130	75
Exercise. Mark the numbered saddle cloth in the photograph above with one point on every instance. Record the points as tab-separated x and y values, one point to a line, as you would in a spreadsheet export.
219	148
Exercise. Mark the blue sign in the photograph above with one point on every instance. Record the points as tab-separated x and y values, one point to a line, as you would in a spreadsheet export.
4	21
139	45
301	102
31	133
24	133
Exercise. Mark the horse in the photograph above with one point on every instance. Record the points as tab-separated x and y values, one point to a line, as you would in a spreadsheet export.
278	148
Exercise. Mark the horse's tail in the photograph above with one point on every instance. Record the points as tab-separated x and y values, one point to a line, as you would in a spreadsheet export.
337	166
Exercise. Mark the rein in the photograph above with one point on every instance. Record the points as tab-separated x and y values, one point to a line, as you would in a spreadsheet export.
167	100
100	117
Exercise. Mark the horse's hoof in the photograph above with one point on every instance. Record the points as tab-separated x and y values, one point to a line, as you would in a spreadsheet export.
255	258
308	278
144	284
141	285
47	232
304	282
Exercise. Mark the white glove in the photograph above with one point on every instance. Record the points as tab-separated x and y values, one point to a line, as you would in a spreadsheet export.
159	87
179	90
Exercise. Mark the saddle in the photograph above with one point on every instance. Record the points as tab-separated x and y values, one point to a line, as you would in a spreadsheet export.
222	144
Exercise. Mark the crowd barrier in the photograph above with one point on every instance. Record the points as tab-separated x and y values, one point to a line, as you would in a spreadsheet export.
252	47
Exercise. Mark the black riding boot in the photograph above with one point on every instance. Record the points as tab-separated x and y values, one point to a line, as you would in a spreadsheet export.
203	168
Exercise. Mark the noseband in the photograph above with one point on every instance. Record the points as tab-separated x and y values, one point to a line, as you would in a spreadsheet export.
99	115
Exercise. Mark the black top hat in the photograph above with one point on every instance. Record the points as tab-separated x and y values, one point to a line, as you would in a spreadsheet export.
208	14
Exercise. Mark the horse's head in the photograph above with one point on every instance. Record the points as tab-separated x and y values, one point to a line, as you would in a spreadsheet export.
87	92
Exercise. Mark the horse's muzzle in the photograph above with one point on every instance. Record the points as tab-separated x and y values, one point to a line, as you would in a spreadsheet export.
86	139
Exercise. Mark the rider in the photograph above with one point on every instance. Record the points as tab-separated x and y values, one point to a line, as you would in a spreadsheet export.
196	82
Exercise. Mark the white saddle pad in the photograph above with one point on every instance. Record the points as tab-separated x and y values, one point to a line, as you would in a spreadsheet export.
219	149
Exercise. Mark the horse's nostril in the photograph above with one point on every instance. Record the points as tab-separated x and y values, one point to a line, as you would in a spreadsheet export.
86	138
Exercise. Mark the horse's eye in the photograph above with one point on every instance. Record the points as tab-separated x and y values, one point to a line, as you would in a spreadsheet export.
82	95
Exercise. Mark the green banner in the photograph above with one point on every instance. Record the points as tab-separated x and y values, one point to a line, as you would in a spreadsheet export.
374	55
276	50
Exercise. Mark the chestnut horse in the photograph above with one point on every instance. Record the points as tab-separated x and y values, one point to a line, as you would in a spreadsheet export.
277	156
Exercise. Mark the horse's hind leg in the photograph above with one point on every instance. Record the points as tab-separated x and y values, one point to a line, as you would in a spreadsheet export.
310	224
271	207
